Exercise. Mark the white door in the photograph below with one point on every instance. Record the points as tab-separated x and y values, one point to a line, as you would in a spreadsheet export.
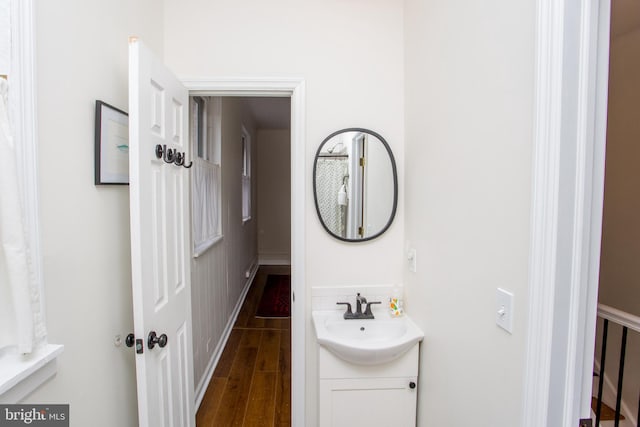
159	197
356	207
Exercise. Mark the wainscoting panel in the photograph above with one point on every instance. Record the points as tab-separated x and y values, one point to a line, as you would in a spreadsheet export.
221	275
209	301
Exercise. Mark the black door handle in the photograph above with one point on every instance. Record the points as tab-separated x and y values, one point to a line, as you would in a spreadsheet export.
155	339
130	340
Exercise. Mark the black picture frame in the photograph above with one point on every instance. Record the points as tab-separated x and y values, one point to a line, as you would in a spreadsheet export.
111	145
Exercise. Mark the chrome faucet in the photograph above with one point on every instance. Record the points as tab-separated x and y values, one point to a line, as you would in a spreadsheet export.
359	314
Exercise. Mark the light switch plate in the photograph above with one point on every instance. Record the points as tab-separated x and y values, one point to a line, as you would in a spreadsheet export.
504	310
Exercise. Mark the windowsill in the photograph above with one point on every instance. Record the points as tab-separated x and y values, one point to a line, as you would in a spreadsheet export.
20	375
206	245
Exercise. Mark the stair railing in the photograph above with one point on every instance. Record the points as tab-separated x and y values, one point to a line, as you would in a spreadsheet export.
627	321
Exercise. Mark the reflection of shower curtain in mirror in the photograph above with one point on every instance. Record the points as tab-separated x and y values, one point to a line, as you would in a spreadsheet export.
330	175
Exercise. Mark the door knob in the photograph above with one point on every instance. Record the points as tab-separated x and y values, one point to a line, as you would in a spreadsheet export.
130	340
155	339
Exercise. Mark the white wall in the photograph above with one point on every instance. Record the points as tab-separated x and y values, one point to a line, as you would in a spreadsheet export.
619	267
274	195
241	238
469	98
350	54
82	55
218	276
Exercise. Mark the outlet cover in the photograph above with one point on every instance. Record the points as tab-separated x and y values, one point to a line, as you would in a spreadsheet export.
504	310
411	257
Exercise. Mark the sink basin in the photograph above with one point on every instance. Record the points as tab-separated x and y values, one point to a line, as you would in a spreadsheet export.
366	341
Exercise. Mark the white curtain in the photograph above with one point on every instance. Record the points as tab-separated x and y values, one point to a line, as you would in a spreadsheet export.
21	320
331	173
206	209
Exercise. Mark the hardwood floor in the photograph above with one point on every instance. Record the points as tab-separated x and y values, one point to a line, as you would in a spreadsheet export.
251	385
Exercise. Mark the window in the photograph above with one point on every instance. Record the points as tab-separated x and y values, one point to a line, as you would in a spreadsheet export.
205	118
25	331
199	123
246	175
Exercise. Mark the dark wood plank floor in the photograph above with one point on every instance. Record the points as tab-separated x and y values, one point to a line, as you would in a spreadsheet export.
251	385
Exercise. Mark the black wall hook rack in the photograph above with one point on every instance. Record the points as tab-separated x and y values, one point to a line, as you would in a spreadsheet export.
170	155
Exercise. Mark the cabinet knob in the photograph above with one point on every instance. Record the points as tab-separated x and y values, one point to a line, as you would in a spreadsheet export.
412	385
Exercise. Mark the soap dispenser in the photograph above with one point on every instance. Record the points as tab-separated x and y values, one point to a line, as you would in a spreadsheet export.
395	303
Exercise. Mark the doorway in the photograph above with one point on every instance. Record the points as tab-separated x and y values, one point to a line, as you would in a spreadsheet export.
567	180
618	294
241	203
292	89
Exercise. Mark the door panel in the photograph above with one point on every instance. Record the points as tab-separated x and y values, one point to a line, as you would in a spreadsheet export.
159	208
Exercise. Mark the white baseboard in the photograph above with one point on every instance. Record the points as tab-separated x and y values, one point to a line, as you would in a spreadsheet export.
275	259
201	389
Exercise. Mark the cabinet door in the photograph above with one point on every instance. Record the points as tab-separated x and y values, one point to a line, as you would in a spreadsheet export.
371	401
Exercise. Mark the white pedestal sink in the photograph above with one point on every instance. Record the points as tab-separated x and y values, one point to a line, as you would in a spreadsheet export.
365	341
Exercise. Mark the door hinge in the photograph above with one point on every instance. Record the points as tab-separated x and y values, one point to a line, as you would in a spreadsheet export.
361	231
362	161
586	422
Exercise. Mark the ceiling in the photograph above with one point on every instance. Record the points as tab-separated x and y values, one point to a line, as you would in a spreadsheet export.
271	113
625	17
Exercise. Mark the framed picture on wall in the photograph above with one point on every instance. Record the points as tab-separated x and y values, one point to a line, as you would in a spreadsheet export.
111	145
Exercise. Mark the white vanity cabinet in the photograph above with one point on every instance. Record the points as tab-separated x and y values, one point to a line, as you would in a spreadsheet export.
368	395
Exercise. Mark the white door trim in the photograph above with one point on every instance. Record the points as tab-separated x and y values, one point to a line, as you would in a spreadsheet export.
566	213
294	88
542	252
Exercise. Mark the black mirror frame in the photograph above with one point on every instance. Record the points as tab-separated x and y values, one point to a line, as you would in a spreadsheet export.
395	184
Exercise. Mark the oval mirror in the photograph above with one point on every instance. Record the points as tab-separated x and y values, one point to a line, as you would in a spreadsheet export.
355	184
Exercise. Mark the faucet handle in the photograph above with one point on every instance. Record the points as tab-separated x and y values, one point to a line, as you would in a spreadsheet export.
367	310
348	307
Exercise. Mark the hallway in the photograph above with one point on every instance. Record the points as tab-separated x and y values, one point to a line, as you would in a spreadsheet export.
251	385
